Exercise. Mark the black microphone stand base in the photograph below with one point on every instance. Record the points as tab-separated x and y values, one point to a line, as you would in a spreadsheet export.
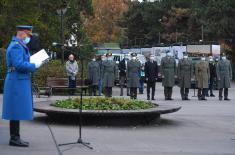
79	141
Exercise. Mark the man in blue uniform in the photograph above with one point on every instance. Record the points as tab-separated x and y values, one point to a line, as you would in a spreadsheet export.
17	97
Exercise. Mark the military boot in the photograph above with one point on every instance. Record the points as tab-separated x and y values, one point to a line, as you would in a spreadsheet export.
199	94
186	93
226	94
220	94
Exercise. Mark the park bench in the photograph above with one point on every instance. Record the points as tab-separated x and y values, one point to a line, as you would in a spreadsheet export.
54	83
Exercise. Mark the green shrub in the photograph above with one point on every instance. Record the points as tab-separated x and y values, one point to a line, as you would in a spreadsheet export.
53	68
3	68
102	103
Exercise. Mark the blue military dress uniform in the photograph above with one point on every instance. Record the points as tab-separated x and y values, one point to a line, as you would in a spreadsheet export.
17	97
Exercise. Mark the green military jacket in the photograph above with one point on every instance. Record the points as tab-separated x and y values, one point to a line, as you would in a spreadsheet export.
108	73
133	73
185	73
168	70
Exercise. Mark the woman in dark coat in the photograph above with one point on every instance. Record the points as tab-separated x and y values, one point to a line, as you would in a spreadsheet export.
93	72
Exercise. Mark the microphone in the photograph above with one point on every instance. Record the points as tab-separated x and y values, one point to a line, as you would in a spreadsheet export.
59	44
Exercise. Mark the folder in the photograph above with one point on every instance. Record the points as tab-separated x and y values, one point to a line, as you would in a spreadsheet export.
39	57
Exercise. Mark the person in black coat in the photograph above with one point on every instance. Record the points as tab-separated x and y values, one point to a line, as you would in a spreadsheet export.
212	67
151	75
122	74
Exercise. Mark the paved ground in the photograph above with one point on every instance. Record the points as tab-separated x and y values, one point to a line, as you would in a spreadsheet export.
199	128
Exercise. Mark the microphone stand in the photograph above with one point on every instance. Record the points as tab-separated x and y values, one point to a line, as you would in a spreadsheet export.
194	89
79	141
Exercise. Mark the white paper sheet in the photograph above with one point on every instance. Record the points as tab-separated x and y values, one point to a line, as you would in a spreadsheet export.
39	57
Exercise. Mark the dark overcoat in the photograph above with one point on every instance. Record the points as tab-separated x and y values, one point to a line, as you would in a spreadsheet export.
168	68
185	73
151	71
93	72
133	73
108	73
224	73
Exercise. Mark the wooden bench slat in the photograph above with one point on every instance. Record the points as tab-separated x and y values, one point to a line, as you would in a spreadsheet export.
62	83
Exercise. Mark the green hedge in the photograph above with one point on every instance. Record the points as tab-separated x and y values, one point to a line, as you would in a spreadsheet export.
53	68
2	68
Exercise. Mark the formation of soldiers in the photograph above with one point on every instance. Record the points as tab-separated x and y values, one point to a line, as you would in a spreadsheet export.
203	74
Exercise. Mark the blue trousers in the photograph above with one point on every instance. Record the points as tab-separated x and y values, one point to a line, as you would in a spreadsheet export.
72	84
141	88
100	87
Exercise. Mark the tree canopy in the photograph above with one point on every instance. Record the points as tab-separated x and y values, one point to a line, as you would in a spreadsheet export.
124	21
180	21
43	16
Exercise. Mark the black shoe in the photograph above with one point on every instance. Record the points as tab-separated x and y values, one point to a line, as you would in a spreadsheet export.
128	94
212	95
24	142
227	99
148	98
170	99
18	143
153	99
186	98
220	98
204	99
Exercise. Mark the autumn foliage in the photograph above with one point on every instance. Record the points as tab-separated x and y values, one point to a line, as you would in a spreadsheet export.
103	25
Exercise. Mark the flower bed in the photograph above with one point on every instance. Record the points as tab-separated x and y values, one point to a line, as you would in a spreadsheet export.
102	103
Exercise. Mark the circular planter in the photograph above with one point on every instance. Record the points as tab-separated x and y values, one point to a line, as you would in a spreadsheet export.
144	115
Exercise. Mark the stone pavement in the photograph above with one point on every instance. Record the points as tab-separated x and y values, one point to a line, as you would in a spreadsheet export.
199	128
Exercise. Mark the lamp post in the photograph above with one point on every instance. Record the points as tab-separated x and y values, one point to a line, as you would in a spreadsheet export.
202	29
176	35
61	13
159	33
159	37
